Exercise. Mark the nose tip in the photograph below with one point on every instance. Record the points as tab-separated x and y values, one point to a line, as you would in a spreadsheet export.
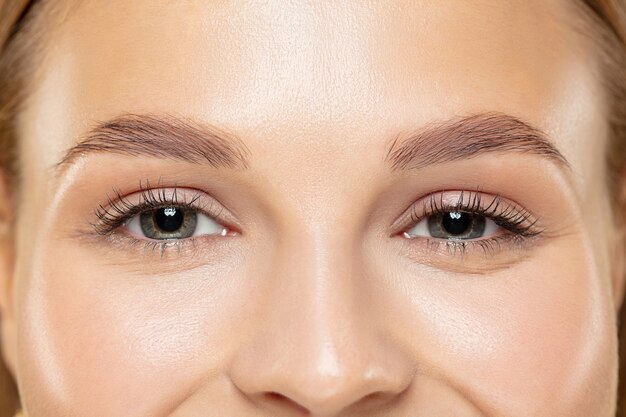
330	395
322	386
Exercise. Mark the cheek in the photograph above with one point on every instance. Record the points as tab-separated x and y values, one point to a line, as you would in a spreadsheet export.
537	338
99	340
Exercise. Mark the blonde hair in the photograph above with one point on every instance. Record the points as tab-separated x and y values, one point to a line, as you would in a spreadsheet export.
20	43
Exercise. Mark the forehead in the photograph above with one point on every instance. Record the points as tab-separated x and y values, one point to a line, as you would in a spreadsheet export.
364	68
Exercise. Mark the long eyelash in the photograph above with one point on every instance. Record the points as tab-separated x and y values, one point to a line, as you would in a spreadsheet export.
517	220
119	210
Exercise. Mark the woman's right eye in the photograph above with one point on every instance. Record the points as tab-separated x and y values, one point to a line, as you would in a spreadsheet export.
173	223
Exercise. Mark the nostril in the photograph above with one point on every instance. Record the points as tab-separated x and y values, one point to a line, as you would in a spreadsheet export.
371	401
284	402
379	399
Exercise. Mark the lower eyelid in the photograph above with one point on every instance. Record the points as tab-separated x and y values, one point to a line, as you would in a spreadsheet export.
469	257
162	257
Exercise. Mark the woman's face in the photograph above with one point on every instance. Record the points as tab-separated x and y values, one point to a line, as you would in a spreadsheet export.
304	208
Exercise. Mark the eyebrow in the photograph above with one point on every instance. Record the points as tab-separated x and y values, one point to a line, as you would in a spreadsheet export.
468	137
166	137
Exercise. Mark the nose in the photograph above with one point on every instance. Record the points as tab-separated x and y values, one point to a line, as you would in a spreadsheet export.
319	347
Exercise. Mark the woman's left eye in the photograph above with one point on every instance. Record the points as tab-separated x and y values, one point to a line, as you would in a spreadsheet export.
173	223
454	225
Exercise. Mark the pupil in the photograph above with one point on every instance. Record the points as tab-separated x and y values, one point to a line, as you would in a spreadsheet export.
169	219
456	222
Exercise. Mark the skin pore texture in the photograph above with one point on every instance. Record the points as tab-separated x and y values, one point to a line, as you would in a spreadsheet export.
317	299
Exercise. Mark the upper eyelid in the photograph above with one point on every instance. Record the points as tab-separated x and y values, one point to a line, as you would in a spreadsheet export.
497	204
428	205
120	208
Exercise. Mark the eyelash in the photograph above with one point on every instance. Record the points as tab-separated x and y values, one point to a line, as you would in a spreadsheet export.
119	210
520	224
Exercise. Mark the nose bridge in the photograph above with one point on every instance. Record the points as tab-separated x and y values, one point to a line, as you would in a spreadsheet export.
324	268
324	280
318	272
318	266
316	347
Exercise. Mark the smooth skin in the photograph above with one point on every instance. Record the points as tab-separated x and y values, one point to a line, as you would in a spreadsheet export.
316	304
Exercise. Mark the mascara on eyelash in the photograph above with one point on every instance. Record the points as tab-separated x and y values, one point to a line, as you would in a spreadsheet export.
519	224
119	209
517	220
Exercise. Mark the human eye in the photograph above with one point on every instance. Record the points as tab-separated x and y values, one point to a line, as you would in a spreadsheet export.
461	221
173	222
160	217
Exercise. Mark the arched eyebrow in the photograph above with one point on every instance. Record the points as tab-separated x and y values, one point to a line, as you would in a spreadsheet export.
468	137
166	137
181	139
